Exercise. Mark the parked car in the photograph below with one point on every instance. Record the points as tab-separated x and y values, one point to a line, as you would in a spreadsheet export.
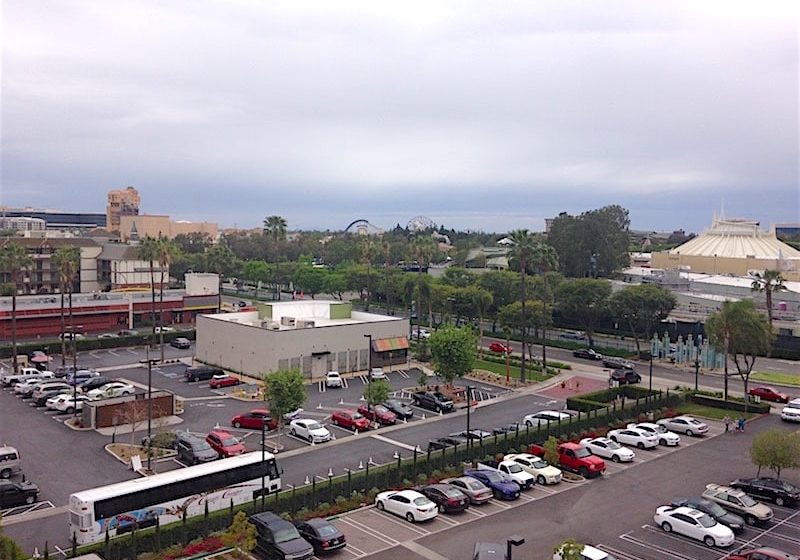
322	534
399	408
378	413
445	442
25	388
63	371
473	434
333	380
510	469
432	400
164	329
685	425
193	450
544	417
446	497
223	380
181	343
762	553
376	373
635	437
576	458
10	379
769	394
617	363
588	553
738	502
67	403
477	492
278	539
17	493
128	332
693	524
625	376
71	336
111	390
45	396
81	376
587	354
771	489
350	419
224	443
49	387
310	430
255	420
503	487
544	472
608	449
94	383
791	412
734	522
420	332
508	429
573	335
9	461
406	503
500	348
108	335
201	373
665	437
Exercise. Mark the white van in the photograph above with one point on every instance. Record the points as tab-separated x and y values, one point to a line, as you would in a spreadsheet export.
9	461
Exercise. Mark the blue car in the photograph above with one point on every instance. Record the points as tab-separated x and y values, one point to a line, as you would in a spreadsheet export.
502	487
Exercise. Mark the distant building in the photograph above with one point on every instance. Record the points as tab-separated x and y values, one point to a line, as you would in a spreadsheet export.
154	225
55	219
22	224
788	233
124	202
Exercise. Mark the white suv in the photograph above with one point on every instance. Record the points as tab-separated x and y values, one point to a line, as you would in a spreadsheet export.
377	373
791	412
333	379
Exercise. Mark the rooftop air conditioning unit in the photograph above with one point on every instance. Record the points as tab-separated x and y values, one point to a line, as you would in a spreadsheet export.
271	325
288	321
305	324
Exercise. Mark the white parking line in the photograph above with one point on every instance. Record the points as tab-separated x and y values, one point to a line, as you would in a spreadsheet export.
618	553
134	352
654	547
363	379
321	387
95	355
771	529
405	524
369	530
673	536
113	353
393	442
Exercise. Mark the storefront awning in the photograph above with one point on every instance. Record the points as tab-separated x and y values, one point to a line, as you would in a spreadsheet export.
390	344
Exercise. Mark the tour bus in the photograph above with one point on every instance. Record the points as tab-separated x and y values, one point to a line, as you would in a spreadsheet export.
118	508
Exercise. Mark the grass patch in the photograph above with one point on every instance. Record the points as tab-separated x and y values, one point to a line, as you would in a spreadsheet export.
777	378
694	409
500	369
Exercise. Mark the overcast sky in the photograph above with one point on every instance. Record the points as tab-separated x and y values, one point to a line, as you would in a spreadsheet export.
480	115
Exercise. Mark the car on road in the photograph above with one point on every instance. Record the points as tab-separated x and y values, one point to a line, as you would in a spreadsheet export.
128	332
608	449
634	436
420	332
17	493
448	499
376	373
224	444
399	408
544	472
770	489
573	335
502	486
323	535
617	363
71	336
255	420
350	419
278	539
193	450
409	504
310	430
791	412
587	354
693	524
66	403
769	394
544	417
762	553
378	413
333	380
625	376
514	427
111	390
685	425
108	335
164	329
473	434
734	522
182	343
477	492
738	502
445	442
500	348
223	380
665	437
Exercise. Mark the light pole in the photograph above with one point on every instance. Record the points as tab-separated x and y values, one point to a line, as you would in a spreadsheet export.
263	458
149	363
72	329
651	371
469	405
512	541
697	364
369	369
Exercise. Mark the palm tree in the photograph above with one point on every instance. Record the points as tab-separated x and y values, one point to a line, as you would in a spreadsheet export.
367	255
67	259
14	259
275	228
521	252
544	259
149	251
769	282
424	249
386	248
481	301
167	252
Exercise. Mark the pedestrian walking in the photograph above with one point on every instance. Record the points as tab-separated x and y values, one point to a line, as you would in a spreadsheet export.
727	421
741	424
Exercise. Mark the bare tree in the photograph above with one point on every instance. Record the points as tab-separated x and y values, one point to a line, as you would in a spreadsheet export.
134	412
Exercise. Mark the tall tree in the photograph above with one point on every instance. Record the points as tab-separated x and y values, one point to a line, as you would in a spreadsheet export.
742	332
387	251
67	260
284	392
584	300
149	252
167	252
275	229
14	259
642	306
769	282
423	248
453	352
368	252
521	253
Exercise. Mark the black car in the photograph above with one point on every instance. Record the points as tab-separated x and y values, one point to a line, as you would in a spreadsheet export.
17	493
772	489
587	354
474	434
277	539
625	376
508	429
94	383
447	498
400	409
617	363
445	442
734	522
322	534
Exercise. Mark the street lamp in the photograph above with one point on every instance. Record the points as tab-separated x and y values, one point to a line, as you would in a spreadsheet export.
469	405
697	363
512	541
651	371
369	369
149	363
72	329
263	458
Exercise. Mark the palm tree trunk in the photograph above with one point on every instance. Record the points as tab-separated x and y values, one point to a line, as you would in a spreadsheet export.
161	314
14	320
544	350
63	342
153	301
524	329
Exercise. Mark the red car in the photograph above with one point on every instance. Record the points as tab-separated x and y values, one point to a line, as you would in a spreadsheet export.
763	553
378	413
254	420
224	443
500	348
223	381
350	419
769	394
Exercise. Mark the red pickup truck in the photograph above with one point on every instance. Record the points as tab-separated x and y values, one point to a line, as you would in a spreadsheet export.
575	457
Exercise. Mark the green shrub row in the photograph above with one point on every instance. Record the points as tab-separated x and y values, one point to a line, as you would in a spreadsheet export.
604	397
731	404
85	344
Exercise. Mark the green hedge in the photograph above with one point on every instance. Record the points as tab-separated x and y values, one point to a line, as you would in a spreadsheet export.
731	404
603	397
84	344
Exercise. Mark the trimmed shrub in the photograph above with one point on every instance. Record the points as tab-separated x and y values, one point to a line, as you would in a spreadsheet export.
730	404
